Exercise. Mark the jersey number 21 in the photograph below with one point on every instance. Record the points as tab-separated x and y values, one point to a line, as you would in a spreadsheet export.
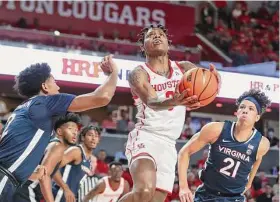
230	164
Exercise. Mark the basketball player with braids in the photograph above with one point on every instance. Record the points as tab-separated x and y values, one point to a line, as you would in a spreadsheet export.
161	108
66	129
236	152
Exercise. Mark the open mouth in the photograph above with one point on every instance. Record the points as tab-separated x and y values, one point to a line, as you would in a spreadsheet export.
157	42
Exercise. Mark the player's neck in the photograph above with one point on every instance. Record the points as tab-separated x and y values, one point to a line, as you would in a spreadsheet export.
242	132
113	183
159	64
87	151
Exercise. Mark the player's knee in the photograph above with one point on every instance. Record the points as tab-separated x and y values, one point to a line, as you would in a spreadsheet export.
144	194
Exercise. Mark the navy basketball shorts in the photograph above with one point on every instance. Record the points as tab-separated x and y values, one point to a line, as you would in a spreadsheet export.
203	195
8	185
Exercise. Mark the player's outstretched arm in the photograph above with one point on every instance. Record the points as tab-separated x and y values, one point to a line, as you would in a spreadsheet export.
139	84
98	189
52	157
103	94
208	134
262	150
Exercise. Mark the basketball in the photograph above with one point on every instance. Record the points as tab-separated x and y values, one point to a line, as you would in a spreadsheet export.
202	83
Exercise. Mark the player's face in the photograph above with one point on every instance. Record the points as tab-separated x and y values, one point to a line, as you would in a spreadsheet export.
155	42
116	172
247	112
50	86
91	139
69	132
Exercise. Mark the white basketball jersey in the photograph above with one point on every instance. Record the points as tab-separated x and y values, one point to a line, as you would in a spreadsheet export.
165	124
109	195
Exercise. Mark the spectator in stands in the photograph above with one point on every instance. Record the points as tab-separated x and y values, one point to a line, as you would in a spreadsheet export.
263	12
120	154
122	123
276	187
201	162
267	195
272	138
263	178
102	167
256	189
206	11
202	123
207	28
255	56
236	13
192	180
189	124
109	123
187	134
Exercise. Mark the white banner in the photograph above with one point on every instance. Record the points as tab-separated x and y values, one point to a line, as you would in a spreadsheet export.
84	69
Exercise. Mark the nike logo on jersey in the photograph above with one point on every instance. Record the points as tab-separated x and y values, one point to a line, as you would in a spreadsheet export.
226	140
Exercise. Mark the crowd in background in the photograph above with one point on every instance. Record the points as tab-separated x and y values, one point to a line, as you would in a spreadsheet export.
244	35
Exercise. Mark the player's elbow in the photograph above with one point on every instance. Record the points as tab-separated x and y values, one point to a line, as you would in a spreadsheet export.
104	100
184	153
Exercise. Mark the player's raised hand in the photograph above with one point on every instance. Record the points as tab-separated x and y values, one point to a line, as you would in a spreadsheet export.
108	65
185	195
218	76
183	99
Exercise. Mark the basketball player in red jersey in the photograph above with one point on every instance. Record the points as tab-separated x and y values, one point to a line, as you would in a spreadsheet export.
109	188
150	149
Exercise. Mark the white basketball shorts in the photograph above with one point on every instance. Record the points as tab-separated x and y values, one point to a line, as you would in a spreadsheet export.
142	144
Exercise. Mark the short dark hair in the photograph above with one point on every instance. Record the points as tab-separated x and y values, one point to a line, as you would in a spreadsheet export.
29	81
86	129
115	163
70	117
262	99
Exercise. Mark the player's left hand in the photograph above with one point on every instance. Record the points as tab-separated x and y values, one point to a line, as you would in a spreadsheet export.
108	65
185	195
191	102
216	73
41	172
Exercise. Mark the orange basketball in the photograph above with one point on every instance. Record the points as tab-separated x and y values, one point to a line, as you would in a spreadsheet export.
202	83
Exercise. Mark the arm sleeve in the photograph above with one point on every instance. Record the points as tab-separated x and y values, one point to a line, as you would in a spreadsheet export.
58	104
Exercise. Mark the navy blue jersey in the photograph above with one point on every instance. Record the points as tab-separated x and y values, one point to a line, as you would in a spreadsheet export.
72	174
229	162
28	133
56	168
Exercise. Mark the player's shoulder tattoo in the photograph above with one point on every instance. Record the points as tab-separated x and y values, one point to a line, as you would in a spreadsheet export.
136	74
